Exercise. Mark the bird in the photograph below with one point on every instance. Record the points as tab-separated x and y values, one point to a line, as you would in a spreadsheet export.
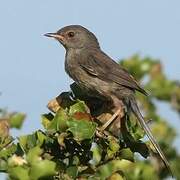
98	74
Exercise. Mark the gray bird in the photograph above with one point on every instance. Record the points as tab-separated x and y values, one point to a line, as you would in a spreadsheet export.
96	73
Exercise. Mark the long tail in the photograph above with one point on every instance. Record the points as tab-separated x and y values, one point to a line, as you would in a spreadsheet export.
136	111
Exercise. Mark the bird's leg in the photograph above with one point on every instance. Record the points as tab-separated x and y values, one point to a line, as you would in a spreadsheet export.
119	113
114	116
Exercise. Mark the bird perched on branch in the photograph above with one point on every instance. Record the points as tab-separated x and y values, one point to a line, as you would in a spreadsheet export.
95	72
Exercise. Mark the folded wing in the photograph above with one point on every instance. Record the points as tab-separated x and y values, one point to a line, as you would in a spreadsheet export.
103	67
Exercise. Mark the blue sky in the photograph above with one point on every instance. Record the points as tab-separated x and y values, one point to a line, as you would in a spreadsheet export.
32	66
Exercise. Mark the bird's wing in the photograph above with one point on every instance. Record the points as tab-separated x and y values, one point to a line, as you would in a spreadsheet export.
100	65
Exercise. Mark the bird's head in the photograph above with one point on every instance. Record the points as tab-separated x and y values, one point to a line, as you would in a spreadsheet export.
75	36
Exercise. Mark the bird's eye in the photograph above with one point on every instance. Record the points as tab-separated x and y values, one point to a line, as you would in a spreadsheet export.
71	34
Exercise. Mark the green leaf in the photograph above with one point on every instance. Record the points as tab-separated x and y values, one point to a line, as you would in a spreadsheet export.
106	170
4	142
126	154
97	154
27	142
8	151
23	142
59	122
81	129
16	120
113	147
19	173
33	156
72	171
116	176
45	121
142	170
41	137
43	168
3	165
80	106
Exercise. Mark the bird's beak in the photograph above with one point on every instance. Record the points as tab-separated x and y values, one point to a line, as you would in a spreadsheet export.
54	35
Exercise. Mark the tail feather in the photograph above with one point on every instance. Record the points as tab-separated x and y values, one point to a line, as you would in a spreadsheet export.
136	111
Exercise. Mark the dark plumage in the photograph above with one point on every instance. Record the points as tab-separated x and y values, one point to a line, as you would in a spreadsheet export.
97	73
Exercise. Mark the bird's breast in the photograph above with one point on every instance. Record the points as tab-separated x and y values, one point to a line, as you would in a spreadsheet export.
72	67
91	84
